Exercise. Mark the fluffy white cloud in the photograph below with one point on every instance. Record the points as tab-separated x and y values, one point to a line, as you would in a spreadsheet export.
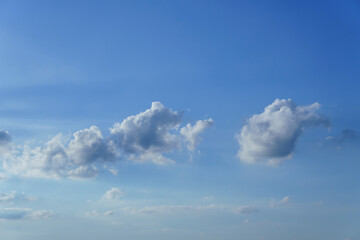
49	160
56	160
24	213
148	132
191	132
89	146
113	193
142	137
270	137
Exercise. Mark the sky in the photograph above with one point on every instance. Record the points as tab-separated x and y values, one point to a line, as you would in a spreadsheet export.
179	120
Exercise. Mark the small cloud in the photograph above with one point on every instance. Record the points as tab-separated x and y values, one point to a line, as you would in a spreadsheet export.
246	221
113	193
13	196
191	132
41	214
24	213
109	213
92	213
245	210
284	201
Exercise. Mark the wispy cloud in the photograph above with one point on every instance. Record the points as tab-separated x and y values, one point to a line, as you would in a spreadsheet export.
285	200
24	213
167	209
13	196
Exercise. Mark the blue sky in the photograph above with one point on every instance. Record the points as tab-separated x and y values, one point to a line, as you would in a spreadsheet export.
179	119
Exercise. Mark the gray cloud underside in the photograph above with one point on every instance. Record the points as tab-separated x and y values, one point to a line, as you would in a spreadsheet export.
270	137
142	137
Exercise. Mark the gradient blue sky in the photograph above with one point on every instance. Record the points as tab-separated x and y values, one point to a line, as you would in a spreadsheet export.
69	65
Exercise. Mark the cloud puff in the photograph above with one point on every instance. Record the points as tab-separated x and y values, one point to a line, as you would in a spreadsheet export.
89	146
142	137
113	193
191	132
284	201
149	132
24	213
270	137
48	161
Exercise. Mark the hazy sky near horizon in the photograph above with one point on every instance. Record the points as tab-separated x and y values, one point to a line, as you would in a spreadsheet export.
179	120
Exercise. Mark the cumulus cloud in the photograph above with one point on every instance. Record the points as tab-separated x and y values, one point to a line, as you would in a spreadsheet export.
89	146
57	160
283	201
144	137
148	132
24	213
191	132
270	137
113	193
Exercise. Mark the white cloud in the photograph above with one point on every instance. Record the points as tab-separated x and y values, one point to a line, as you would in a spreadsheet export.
148	132
270	137
41	214
24	213
191	132
13	196
113	193
283	201
109	213
144	137
89	146
56	160
245	210
92	213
